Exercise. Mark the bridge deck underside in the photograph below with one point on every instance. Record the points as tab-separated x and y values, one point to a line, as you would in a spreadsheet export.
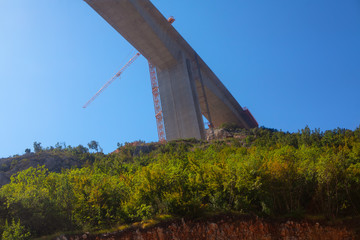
143	26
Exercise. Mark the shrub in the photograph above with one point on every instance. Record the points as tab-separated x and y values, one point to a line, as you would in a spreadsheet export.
15	231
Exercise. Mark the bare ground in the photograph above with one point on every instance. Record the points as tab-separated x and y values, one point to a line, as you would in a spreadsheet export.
227	227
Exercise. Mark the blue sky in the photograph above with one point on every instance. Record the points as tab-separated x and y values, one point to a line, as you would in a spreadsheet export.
292	63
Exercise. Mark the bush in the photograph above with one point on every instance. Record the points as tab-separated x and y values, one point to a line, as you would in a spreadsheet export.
229	126
15	231
278	174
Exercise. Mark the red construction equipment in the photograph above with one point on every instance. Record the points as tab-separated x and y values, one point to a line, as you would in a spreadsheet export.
157	103
156	97
171	19
154	87
250	116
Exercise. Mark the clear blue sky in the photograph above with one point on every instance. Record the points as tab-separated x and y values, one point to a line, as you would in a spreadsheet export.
292	63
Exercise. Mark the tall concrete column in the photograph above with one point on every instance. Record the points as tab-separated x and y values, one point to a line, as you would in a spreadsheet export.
179	100
183	92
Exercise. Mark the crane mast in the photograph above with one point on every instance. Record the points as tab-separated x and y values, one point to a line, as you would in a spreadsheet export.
157	103
154	87
156	97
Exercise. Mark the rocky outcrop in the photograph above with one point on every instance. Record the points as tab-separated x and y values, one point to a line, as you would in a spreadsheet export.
54	161
218	133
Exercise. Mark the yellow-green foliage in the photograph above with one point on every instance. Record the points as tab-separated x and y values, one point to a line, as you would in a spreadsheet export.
269	173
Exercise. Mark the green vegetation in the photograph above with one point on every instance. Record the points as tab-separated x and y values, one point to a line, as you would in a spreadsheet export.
14	231
259	171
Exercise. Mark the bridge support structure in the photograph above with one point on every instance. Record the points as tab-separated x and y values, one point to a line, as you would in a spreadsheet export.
188	88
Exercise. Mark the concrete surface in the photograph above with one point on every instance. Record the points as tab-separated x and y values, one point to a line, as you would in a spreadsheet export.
181	91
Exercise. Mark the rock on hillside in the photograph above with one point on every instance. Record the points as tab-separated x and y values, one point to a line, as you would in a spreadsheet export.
55	161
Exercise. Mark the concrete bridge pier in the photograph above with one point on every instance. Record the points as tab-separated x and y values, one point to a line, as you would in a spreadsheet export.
179	98
188	88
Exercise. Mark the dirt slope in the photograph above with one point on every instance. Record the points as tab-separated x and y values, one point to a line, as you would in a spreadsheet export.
227	228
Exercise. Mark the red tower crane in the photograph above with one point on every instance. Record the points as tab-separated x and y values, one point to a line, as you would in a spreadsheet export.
155	91
157	103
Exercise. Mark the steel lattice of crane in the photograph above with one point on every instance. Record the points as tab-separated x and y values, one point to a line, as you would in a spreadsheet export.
157	103
154	87
112	79
156	97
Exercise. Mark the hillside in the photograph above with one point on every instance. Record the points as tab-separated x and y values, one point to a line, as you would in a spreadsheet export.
262	172
54	159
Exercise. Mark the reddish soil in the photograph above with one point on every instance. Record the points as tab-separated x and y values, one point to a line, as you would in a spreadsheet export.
229	227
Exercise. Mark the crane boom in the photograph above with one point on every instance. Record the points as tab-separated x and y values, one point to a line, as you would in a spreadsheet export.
112	79
155	91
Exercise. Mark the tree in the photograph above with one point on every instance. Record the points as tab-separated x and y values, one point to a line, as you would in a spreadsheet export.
81	149
60	145
27	150
94	145
37	147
